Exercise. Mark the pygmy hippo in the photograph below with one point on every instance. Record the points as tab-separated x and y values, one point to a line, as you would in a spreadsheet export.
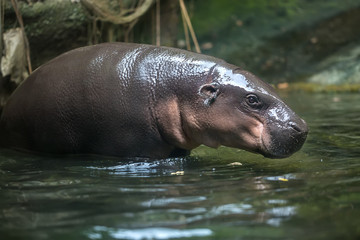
134	100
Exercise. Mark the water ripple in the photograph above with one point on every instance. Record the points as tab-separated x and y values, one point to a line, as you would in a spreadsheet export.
168	201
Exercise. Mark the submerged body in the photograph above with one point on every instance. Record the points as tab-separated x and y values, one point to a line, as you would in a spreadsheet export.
133	100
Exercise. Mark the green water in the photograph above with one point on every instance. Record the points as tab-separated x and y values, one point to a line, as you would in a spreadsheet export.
315	194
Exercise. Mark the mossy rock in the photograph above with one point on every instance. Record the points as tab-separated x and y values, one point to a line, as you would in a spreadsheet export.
52	27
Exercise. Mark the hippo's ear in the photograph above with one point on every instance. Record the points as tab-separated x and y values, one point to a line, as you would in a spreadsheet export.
209	92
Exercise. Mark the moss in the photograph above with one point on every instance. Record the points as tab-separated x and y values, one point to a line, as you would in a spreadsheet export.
52	27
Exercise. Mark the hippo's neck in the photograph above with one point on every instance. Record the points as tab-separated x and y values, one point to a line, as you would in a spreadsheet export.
174	78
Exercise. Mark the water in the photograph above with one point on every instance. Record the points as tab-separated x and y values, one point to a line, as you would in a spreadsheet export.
214	194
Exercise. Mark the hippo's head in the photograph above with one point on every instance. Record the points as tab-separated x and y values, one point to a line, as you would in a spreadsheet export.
244	112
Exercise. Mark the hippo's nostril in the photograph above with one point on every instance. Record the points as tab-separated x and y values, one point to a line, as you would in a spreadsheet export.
295	127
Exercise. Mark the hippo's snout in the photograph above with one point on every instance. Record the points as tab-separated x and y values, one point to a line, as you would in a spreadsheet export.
286	139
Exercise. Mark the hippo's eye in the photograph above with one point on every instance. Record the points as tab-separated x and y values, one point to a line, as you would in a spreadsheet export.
253	100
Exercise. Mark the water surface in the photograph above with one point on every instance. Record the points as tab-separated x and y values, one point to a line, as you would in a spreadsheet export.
214	194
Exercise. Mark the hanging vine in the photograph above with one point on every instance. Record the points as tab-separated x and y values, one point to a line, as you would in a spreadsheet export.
26	41
111	15
188	27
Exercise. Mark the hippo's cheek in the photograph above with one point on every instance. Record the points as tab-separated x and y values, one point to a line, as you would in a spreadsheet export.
245	136
253	137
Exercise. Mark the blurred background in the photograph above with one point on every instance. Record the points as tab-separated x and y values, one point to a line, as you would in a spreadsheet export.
313	44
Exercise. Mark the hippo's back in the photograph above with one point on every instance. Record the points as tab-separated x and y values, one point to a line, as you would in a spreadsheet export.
89	100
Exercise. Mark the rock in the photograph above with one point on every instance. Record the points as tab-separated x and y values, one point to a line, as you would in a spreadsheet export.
52	27
13	63
340	68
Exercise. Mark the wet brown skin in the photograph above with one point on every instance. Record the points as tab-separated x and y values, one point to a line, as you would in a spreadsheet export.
132	100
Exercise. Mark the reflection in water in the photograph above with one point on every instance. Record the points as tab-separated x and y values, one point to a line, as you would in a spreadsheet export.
143	167
315	193
147	233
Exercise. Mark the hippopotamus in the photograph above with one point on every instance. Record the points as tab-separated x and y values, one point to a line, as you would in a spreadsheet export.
136	100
